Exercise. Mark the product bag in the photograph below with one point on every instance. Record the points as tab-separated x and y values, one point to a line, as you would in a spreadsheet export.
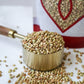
65	17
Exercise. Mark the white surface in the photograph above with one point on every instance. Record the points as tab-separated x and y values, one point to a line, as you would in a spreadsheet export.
12	17
16	2
20	3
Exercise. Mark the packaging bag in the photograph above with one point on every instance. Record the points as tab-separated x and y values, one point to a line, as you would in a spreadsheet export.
65	17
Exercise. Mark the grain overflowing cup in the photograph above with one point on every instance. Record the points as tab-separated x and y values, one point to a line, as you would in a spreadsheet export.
42	50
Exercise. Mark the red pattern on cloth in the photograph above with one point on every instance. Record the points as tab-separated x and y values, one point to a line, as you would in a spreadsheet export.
64	18
55	21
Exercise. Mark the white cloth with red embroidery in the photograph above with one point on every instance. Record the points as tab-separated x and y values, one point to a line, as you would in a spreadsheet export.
73	36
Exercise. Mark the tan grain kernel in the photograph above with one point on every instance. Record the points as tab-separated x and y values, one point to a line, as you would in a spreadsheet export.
9	81
78	77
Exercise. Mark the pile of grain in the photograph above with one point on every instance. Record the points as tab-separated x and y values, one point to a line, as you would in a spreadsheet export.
43	42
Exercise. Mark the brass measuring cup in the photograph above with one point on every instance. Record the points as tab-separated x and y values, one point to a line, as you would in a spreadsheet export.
36	61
